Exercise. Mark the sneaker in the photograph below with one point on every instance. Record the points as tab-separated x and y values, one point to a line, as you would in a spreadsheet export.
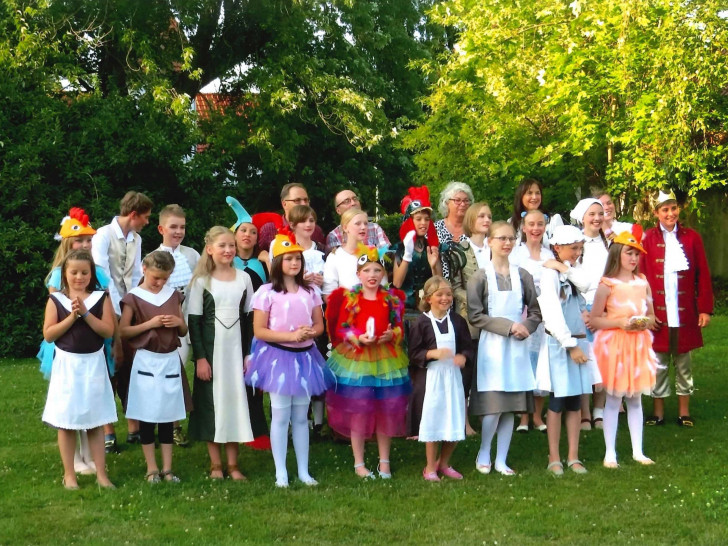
134	438
110	444
179	437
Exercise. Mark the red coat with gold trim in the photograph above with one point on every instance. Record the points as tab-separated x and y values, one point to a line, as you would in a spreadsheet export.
694	289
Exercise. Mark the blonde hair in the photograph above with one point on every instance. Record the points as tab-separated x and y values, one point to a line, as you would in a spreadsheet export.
495	226
471	215
432	285
205	265
171	210
349	215
61	252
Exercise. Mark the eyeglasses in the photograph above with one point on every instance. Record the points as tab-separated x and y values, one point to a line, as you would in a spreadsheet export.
503	239
298	200
459	201
349	200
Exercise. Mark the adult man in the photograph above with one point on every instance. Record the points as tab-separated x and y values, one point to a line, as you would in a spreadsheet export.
343	201
291	195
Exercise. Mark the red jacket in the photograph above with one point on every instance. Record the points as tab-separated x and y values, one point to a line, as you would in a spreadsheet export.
694	289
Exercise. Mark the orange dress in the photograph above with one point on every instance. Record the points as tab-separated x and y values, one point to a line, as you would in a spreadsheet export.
625	358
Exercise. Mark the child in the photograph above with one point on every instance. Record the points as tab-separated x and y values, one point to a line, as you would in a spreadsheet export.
504	381
219	322
117	249
172	227
564	349
440	342
77	319
255	263
75	234
623	343
677	269
151	319
284	359
589	216
365	327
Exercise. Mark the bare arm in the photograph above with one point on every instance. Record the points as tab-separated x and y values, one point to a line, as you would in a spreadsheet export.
597	319
126	330
52	329
399	274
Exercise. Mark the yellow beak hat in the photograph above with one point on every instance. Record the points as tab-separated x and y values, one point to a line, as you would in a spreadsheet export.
75	224
285	243
628	239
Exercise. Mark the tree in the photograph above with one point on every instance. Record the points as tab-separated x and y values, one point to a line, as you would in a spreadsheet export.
625	94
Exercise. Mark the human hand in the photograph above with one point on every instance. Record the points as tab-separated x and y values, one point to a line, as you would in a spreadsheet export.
317	279
171	321
440	354
577	355
586	317
703	320
387	335
204	370
519	331
366	339
155	322
459	360
433	256
246	363
302	333
409	246
80	306
657	323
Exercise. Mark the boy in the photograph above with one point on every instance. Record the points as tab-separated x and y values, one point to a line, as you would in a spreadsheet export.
117	248
677	270
172	226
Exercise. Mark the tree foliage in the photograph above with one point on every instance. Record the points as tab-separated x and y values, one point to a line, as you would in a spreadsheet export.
627	94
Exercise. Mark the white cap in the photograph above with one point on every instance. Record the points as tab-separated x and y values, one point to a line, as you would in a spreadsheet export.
566	235
581	207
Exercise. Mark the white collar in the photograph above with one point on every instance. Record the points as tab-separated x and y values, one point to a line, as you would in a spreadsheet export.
119	232
169	249
673	232
158	299
90	300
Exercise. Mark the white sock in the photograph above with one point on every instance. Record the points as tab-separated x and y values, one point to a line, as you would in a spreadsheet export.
299	422
490	424
611	421
635	423
317	408
598	413
280	417
505	432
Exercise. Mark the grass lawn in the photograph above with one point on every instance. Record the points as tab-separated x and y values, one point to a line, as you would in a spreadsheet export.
682	499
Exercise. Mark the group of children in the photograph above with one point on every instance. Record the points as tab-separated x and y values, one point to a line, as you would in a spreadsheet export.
397	362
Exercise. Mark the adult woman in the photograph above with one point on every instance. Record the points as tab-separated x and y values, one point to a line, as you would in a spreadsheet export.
504	381
529	197
477	253
454	201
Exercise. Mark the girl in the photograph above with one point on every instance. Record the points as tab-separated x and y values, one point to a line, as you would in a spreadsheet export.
302	219
504	380
611	225
623	343
340	269
589	216
478	219
219	322
564	350
284	360
531	255
440	342
528	196
365	327
151	318
75	234
78	318
255	263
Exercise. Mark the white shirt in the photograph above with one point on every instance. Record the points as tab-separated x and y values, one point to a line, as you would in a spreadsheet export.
521	256
593	263
673	315
340	271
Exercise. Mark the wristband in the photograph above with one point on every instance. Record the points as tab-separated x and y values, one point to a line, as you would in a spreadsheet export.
84	315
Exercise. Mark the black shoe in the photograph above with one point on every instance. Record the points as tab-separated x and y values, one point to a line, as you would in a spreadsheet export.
317	434
110	444
685	421
134	438
654	421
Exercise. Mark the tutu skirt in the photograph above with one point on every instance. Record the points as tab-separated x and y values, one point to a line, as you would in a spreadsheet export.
626	361
288	371
372	388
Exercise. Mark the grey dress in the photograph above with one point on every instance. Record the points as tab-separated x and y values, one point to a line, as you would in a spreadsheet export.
490	402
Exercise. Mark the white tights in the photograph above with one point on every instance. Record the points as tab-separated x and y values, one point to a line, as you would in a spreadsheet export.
634	422
284	410
502	424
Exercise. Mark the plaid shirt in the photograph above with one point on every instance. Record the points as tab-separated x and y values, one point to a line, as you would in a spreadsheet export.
375	237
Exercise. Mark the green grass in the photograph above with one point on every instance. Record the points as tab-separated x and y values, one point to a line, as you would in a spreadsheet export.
683	499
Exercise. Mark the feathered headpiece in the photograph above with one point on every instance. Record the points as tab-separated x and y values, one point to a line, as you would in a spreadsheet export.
75	224
631	238
285	243
371	254
417	199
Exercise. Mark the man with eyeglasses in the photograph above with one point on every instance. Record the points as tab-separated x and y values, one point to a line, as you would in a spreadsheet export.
343	201
291	195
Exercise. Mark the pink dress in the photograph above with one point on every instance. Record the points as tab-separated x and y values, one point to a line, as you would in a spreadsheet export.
625	358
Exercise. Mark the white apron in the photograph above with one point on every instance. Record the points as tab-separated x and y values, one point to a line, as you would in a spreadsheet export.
504	363
155	388
443	408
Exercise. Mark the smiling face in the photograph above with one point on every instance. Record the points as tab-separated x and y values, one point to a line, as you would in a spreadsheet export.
222	249
78	275
629	258
291	263
532	198
668	214
441	300
246	236
357	228
83	242
608	205
457	205
305	227
155	279
593	220
569	253
534	226
371	275
173	231
421	220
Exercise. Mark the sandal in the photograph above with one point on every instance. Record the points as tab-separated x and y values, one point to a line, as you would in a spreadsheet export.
369	476
168	476
216	471
153	477
384	475
232	468
586	424
598	423
556	468
576	466
685	421
654	421
522	429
